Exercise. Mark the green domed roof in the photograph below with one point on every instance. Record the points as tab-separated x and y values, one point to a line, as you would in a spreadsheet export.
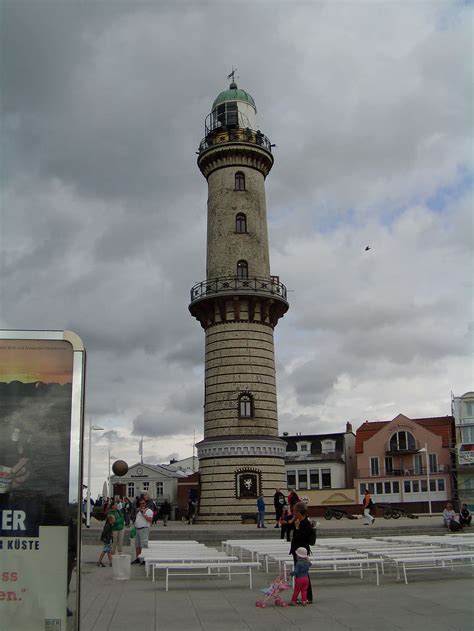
234	94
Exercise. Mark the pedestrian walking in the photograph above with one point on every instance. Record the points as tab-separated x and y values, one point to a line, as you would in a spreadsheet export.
107	537
261	512
368	506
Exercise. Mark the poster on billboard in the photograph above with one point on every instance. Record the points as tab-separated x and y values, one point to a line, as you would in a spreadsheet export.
41	420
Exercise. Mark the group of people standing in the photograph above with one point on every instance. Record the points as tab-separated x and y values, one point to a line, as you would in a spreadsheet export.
292	519
140	513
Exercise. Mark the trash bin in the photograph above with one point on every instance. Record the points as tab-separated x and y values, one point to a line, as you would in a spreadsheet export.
121	567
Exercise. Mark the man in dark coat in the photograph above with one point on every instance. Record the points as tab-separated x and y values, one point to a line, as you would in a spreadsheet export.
279	502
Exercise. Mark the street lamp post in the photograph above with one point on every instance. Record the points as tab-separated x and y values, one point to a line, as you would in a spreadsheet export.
88	494
425	449
109	481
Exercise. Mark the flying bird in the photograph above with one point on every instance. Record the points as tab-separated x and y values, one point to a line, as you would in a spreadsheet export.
368	248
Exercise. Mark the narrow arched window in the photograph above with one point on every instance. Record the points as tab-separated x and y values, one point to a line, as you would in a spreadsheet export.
245	405
240	223
239	181
242	269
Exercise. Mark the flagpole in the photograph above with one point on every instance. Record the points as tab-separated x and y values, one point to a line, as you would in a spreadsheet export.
140	449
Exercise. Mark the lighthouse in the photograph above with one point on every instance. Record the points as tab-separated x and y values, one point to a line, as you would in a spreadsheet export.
238	305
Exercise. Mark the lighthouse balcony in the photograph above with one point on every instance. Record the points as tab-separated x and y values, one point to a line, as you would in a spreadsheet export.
233	285
233	134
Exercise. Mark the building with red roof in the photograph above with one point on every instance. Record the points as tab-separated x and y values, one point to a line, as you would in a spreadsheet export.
408	462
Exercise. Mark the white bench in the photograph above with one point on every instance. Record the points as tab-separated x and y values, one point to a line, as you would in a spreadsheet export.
350	565
186	557
188	569
431	561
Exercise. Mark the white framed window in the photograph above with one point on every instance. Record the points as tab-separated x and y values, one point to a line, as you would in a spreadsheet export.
469	408
418	464
314	478
302	478
146	487
303	447
326	478
433	460
131	489
159	488
441	485
328	446
388	463
291	479
374	466
467	435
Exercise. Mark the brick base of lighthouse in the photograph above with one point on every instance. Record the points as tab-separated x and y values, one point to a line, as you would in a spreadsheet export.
224	495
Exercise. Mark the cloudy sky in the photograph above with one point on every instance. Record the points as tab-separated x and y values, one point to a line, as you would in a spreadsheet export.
103	209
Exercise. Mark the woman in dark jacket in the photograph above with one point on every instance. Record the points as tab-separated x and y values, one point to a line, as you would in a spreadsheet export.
303	537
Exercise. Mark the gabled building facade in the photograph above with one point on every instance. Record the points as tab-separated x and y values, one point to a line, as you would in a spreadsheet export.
320	461
159	481
406	461
463	412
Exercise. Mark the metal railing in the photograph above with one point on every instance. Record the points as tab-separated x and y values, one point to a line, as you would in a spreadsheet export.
410	446
224	135
231	284
403	473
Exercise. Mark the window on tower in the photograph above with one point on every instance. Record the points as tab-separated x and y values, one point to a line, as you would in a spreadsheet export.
241	223
245	405
239	181
242	270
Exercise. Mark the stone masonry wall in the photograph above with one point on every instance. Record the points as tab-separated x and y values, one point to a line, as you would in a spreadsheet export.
218	501
239	358
224	246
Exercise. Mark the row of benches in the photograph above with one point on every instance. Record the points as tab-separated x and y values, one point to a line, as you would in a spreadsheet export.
240	557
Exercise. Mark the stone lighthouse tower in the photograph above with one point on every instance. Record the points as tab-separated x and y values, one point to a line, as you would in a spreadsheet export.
238	306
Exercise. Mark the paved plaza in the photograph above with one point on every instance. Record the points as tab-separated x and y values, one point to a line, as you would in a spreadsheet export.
430	601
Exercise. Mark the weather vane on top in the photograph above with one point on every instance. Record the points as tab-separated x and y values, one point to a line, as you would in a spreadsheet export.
232	74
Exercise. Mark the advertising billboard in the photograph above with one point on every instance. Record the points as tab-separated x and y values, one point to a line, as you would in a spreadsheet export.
41	414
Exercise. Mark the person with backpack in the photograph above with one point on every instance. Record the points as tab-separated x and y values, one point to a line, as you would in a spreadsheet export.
304	536
279	502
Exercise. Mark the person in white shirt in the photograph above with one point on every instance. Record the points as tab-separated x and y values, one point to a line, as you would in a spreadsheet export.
142	525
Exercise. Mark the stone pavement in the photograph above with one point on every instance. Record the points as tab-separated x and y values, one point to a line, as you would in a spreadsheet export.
434	601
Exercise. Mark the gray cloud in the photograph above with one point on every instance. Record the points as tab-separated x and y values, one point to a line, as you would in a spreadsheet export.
103	214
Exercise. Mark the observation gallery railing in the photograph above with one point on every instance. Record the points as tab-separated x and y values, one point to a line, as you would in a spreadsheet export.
238	134
232	284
